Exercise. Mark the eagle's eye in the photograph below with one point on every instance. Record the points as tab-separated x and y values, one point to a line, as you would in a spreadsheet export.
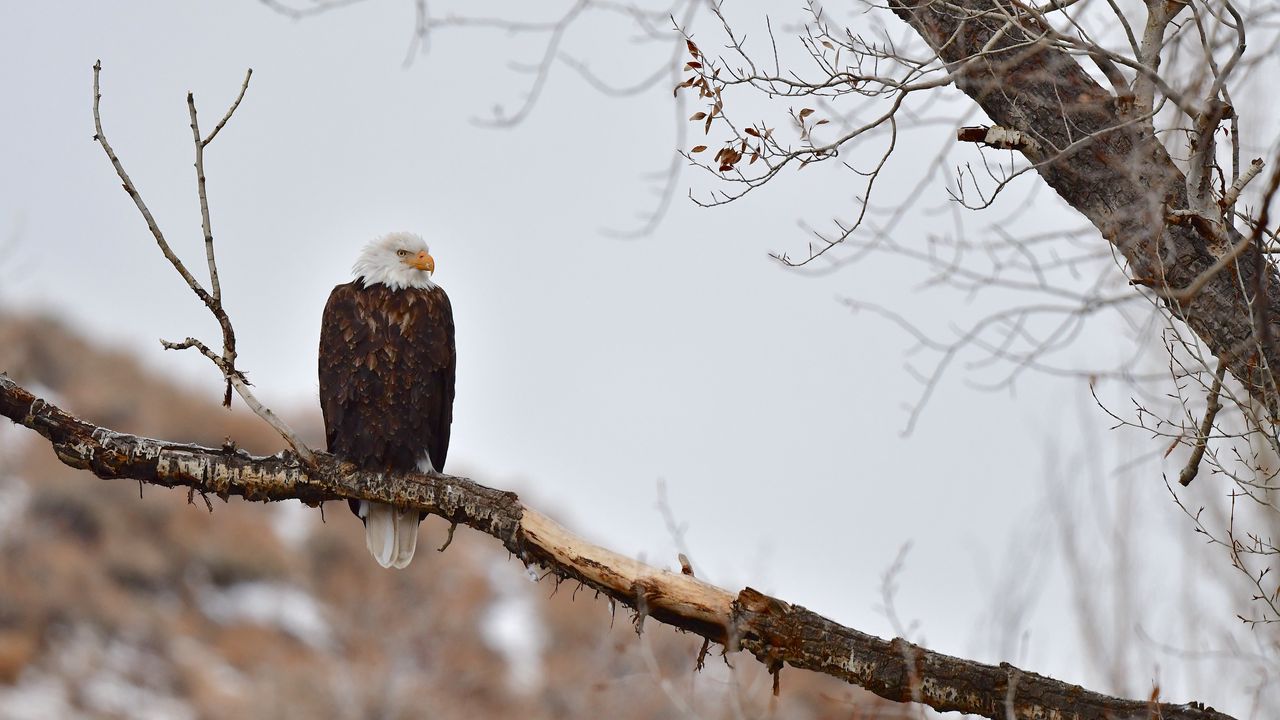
402	253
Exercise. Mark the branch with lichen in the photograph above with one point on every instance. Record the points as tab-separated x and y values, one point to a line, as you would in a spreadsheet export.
777	633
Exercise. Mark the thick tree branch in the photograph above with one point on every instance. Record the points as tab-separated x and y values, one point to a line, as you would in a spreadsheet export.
774	631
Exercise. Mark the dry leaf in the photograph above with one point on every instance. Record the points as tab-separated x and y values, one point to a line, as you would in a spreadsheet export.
698	148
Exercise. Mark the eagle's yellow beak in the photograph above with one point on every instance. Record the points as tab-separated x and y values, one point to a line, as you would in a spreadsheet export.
422	261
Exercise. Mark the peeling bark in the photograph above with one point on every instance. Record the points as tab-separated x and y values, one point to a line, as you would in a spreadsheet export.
774	631
1100	155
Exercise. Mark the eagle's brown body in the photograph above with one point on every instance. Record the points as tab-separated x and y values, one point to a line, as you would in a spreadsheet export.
387	364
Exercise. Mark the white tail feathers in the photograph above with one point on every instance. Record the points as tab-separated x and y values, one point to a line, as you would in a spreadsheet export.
390	535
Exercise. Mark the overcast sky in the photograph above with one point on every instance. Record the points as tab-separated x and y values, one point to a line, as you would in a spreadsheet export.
590	367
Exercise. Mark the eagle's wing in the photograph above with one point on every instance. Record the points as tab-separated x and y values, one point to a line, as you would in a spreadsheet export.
433	340
344	340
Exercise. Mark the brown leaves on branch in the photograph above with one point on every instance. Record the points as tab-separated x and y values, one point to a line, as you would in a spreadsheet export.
751	142
706	78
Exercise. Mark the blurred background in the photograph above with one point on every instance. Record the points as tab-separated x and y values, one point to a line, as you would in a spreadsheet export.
637	366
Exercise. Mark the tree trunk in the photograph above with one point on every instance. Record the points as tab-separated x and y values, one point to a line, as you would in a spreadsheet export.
1104	161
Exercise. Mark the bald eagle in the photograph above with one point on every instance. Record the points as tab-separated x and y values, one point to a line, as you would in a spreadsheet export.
386	378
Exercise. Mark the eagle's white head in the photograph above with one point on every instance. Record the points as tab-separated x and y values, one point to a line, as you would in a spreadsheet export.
398	260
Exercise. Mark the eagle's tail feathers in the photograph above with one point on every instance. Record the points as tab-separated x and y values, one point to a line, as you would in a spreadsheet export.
406	537
380	530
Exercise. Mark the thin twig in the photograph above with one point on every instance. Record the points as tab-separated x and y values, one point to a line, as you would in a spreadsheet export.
205	225
449	540
132	190
228	332
1210	413
231	110
237	380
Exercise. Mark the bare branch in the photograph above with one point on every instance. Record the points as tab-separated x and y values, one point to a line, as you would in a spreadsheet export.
1237	187
1212	406
205	224
226	362
1159	15
241	385
231	110
101	137
998	137
773	631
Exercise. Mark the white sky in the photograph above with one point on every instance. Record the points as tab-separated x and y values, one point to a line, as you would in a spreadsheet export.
589	367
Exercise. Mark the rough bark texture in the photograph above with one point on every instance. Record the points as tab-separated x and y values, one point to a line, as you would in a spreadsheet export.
1105	162
775	632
